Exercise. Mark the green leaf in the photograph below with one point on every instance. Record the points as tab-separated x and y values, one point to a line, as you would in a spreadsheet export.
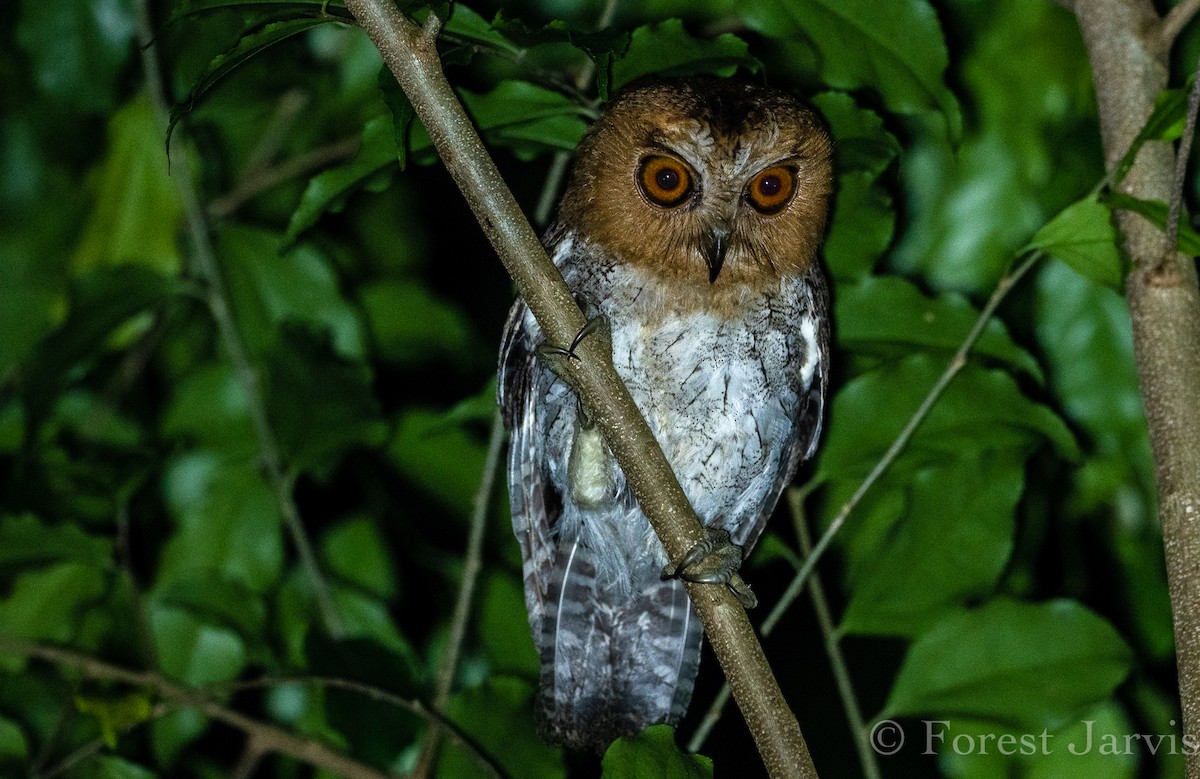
77	48
271	290
438	456
370	168
47	604
862	226
602	46
374	729
111	767
1083	748
503	627
115	713
652	754
1032	666
1086	338
518	115
980	409
13	743
1156	211
411	325
228	522
860	141
499	717
193	651
249	45
894	48
279	7
948	544
356	551
208	407
171	733
467	26
1082	236
1166	123
402	112
100	302
319	404
667	49
218	601
25	542
137	213
888	317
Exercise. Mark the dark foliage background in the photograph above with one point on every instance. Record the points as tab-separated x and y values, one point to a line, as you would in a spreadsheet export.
1004	576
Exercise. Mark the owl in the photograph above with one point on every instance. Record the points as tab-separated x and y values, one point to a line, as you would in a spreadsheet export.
690	226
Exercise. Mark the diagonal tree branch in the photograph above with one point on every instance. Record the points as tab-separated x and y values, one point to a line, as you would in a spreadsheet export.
267	736
413	59
1129	68
1174	22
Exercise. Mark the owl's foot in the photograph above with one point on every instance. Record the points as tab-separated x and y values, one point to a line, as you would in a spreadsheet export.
715	560
597	324
556	356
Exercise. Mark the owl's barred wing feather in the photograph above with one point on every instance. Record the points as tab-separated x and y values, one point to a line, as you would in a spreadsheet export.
801	446
613	660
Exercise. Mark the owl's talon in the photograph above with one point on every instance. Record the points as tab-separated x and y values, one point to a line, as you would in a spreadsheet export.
715	560
596	324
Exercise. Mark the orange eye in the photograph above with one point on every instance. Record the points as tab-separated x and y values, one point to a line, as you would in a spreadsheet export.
665	181
772	189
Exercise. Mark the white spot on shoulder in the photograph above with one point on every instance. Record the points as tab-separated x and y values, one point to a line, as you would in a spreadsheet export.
808	331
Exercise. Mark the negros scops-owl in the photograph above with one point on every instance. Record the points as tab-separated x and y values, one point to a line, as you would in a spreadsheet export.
691	223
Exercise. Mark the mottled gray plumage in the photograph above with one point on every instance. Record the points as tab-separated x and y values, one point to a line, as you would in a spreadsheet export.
730	375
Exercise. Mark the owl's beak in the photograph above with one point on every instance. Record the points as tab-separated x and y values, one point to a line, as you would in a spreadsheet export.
715	248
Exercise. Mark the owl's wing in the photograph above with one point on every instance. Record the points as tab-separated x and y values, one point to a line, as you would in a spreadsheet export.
810	412
536	504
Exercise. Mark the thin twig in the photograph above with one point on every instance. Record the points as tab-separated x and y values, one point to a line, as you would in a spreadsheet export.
1174	22
837	661
95	746
472	565
207	270
300	165
1181	159
276	740
432	716
956	364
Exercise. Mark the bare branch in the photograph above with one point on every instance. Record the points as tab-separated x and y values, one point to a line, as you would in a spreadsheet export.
267	736
472	565
837	661
1174	22
250	187
1181	161
1129	69
415	63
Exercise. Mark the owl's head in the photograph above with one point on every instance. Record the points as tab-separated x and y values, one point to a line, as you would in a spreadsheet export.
702	179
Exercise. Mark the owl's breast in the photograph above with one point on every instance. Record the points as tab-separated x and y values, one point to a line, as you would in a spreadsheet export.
721	392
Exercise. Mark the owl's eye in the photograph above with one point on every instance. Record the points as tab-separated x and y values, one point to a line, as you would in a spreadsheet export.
771	189
665	181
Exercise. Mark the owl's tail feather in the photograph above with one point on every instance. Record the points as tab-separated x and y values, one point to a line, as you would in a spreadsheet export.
614	662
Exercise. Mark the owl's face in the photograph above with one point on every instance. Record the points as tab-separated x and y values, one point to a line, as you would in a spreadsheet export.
704	180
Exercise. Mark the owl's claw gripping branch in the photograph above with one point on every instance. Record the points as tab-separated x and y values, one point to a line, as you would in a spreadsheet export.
715	560
597	324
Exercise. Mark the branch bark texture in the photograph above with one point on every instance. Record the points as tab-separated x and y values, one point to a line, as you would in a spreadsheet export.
1129	65
411	55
